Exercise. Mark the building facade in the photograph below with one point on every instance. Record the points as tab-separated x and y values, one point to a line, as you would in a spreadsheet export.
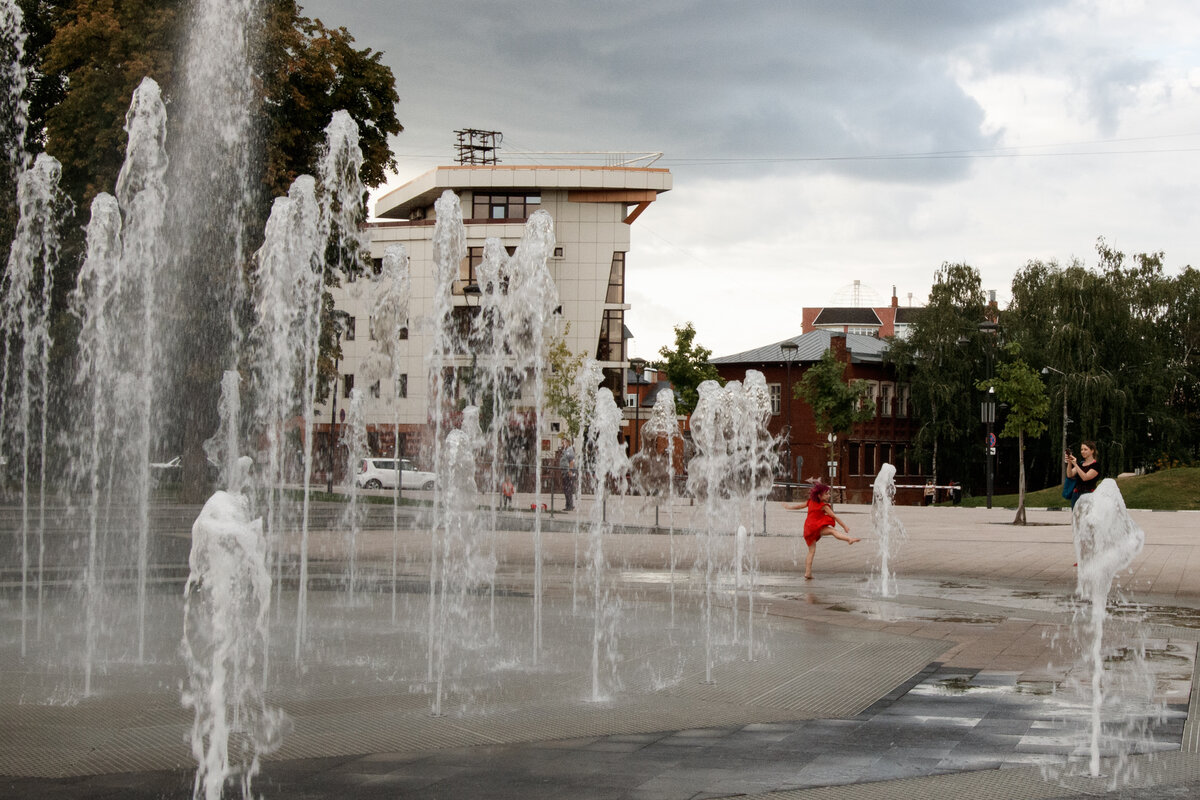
805	451
592	209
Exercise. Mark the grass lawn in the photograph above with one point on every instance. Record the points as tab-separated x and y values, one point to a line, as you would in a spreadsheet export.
1166	490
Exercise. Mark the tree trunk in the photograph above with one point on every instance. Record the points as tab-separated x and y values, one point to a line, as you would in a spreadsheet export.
1020	518
935	444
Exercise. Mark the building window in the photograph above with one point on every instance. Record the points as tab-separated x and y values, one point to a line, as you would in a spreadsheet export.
402	386
404	332
885	399
852	465
374	390
612	336
905	394
504	206
776	397
349	337
347	385
630	400
616	280
468	270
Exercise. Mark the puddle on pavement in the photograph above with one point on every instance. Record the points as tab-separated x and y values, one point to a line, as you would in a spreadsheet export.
1176	616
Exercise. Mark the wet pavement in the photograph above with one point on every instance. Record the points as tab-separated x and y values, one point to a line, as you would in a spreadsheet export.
992	710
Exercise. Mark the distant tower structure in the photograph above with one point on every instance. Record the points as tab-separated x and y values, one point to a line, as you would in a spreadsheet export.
856	295
476	147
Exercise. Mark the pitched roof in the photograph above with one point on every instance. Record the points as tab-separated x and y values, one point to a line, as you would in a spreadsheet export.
847	316
810	347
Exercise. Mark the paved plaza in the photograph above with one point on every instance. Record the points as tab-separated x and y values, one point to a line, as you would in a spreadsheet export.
958	685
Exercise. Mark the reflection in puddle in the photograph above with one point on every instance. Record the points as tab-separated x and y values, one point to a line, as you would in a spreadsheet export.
1176	616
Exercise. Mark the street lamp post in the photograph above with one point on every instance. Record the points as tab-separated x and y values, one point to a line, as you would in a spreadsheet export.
832	439
789	353
1046	371
637	365
988	413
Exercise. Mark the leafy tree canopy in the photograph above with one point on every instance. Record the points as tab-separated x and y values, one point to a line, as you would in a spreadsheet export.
561	396
837	404
687	367
946	351
101	50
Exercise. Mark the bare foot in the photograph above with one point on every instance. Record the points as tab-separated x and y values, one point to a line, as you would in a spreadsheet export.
852	541
808	577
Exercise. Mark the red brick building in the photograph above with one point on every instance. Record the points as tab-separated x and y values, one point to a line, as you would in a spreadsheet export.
859	455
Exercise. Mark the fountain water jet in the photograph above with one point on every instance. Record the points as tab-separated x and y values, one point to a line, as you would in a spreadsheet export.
732	471
889	531
228	599
464	563
389	316
655	467
1106	543
585	387
354	440
611	465
25	327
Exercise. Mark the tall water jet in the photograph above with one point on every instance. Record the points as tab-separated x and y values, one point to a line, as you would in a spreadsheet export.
889	531
228	599
449	249
93	302
658	468
610	465
212	158
494	377
288	284
732	471
142	197
531	285
25	328
389	316
14	79
354	440
464	563
223	449
584	389
289	281
1106	542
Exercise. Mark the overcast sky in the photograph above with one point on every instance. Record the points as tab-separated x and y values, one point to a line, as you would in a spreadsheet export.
815	143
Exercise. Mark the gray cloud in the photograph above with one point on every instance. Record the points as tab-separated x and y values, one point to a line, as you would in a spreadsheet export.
767	84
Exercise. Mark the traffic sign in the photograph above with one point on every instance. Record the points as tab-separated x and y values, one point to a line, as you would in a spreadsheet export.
991	440
991	451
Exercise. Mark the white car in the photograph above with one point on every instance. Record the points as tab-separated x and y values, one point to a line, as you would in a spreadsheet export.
381	473
172	471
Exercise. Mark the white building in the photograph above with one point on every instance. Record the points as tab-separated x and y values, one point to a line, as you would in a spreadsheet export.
592	209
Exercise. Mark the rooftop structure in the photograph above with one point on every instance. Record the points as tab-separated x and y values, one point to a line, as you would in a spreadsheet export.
592	208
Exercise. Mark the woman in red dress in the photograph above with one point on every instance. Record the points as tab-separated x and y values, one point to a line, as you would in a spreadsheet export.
819	522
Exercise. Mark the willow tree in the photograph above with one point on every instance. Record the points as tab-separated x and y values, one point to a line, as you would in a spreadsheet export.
946	352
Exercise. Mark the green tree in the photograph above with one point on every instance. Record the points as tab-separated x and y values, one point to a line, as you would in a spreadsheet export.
837	404
687	367
1020	386
561	396
101	50
1116	334
40	93
946	352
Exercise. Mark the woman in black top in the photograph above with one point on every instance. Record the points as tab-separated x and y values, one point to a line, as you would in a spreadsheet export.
1087	471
